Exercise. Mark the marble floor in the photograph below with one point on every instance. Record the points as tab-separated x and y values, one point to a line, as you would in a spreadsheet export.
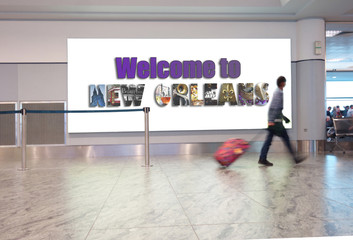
180	197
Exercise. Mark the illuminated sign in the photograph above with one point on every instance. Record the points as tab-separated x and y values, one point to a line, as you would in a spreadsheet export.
189	84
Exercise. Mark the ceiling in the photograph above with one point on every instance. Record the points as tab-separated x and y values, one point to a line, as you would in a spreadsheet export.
339	49
198	10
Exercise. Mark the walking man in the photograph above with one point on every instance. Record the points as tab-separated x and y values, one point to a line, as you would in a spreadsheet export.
275	125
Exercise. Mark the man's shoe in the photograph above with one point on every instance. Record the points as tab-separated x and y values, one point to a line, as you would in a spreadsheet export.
265	162
299	159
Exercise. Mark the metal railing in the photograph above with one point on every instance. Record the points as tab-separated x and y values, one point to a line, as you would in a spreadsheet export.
24	113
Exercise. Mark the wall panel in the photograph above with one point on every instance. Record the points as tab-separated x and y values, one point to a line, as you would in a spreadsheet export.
45	128
7	124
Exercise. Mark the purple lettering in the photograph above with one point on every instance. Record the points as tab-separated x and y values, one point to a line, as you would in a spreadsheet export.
153	67
142	69
192	69
234	69
208	69
223	62
161	73
125	68
176	69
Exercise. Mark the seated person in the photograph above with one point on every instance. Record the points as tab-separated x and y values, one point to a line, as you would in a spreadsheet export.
337	113
350	112
328	112
329	122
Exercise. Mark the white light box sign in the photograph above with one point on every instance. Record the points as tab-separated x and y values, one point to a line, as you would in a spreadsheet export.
189	84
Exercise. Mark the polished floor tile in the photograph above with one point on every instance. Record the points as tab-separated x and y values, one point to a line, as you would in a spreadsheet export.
269	230
141	210
56	233
208	208
158	233
180	197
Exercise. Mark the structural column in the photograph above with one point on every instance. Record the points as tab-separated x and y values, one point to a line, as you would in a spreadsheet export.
310	84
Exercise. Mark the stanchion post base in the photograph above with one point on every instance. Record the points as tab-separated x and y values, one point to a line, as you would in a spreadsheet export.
146	166
22	169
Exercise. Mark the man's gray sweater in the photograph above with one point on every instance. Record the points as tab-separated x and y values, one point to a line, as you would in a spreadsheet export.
276	106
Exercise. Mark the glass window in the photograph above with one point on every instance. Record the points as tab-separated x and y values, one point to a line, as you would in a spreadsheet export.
339	89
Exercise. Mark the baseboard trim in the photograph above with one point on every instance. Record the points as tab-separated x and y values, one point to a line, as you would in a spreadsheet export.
157	149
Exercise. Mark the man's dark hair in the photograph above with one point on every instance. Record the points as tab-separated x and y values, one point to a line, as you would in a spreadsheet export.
280	80
351	106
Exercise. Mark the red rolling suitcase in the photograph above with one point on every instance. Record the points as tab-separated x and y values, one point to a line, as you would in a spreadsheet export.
230	151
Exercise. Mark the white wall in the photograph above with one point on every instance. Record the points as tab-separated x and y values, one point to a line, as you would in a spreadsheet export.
37	51
8	83
42	82
37	41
